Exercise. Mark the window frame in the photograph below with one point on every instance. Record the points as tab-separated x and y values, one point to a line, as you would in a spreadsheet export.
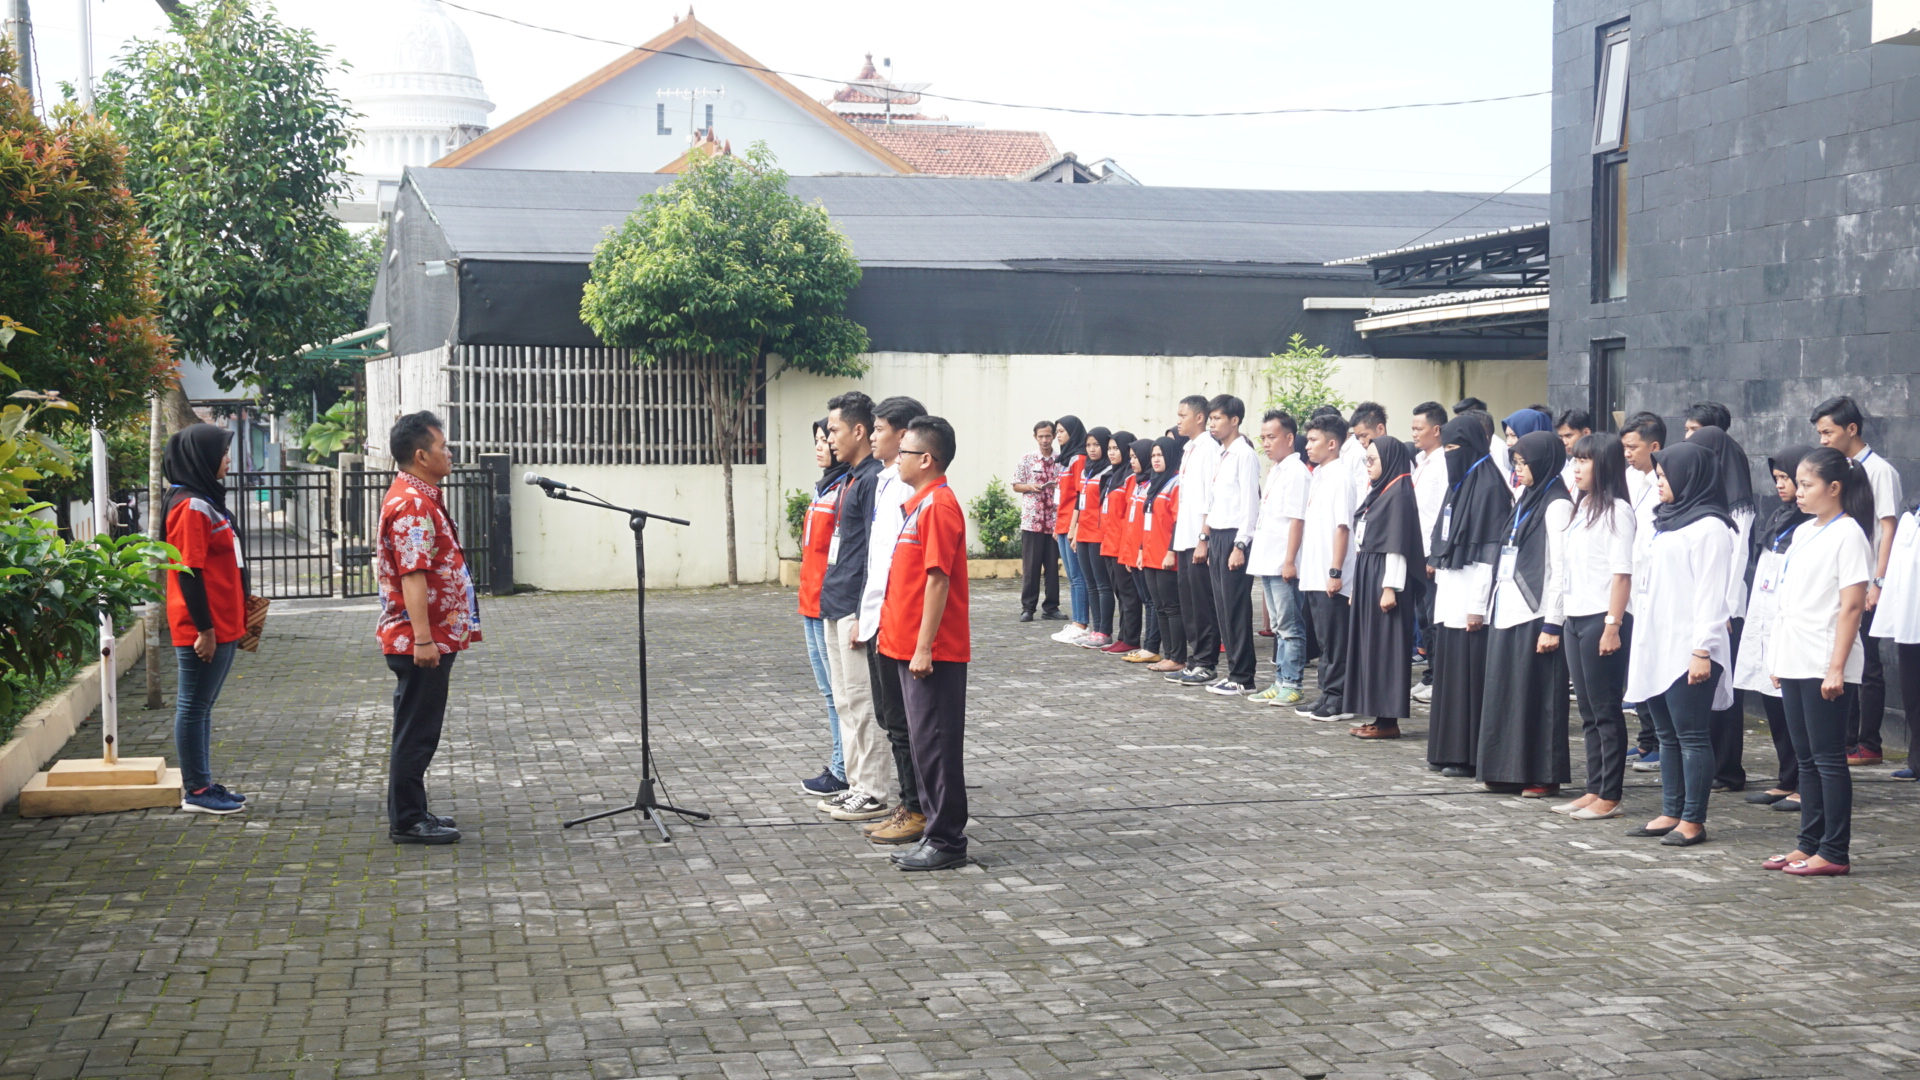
1606	371
1611	87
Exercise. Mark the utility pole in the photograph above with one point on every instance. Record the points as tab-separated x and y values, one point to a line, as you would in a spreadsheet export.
20	32
86	54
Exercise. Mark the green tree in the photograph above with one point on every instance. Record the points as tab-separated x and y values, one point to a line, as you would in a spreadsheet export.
78	269
236	152
1300	379
726	270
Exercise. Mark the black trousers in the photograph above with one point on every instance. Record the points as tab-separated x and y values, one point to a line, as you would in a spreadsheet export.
419	710
1826	788
1869	706
1126	599
1330	620
1039	556
1099	587
937	721
1233	604
1727	727
1165	586
890	708
1598	683
1788	777
1196	611
1149	612
1909	656
1426	626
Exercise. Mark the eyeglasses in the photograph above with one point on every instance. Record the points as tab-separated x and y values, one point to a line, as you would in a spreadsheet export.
920	453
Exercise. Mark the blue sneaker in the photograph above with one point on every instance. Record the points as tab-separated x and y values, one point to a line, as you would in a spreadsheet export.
209	801
1649	762
221	789
1903	774
824	784
1633	755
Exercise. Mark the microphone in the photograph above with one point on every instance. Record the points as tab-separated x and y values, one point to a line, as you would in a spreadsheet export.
536	480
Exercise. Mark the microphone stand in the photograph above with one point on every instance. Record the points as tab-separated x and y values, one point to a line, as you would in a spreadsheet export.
649	807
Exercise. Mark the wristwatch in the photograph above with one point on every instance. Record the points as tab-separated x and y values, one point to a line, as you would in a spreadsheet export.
1878	583
1334	574
1611	621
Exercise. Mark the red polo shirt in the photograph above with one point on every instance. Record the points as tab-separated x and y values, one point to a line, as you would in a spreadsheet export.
933	538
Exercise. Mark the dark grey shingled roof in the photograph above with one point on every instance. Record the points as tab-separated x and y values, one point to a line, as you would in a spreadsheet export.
525	215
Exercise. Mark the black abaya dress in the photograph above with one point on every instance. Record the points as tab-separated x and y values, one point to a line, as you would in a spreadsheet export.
1523	721
1380	643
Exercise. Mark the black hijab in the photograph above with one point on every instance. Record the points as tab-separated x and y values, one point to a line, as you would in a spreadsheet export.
1478	500
1693	472
1545	456
1076	444
1736	473
1787	515
835	469
1117	474
1392	516
192	466
1143	453
1170	450
1096	468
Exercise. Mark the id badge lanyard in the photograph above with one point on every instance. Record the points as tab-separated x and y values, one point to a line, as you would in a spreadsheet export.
1797	548
1509	552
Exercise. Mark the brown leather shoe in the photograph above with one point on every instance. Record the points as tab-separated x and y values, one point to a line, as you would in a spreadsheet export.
1168	665
904	827
1375	731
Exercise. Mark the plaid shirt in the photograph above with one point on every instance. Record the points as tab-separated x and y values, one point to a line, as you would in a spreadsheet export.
416	534
1037	507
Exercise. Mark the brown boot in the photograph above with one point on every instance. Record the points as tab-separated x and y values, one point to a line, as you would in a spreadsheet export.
904	827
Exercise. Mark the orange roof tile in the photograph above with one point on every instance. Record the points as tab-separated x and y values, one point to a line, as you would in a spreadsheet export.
963	151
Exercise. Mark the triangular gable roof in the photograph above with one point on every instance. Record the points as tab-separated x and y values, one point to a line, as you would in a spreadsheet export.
686	29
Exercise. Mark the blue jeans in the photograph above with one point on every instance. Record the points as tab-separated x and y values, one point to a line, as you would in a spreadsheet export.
816	630
200	683
1288	617
1682	716
1100	584
1076	579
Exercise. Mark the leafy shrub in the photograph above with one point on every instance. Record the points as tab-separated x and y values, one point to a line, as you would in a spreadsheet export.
1300	380
996	522
797	502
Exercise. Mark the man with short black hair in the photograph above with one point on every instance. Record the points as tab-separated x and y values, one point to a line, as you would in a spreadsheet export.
1707	414
429	615
1273	557
1641	437
1429	494
1369	422
1572	426
926	636
890	420
1327	558
870	773
1470	404
1197	463
1233	507
1840	425
1035	480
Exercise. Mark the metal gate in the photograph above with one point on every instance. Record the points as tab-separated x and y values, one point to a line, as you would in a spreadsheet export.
469	494
286	518
309	532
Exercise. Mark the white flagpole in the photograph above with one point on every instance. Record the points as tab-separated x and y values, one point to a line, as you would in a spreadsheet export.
109	678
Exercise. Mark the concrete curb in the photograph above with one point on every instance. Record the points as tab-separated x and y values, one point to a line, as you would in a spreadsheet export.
47	728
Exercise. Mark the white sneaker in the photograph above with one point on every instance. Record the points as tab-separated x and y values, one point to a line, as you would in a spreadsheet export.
1067	634
861	807
832	802
1227	688
1423	693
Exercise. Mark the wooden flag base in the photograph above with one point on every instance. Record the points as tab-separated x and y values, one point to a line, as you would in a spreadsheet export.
96	786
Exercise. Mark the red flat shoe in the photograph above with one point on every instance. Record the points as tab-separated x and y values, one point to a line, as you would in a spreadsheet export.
1119	647
1832	869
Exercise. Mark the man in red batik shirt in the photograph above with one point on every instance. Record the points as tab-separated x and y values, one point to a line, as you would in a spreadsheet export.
428	616
924	631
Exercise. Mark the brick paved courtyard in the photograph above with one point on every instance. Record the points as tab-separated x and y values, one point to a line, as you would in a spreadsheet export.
1281	901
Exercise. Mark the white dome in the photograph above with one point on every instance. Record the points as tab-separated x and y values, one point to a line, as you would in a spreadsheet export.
417	90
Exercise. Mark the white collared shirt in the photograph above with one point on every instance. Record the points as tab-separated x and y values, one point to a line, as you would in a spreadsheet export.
1197	465
1429	492
1596	551
1822	560
1329	508
1235	498
1354	457
1884	479
1283	500
1682	606
1510	607
890	493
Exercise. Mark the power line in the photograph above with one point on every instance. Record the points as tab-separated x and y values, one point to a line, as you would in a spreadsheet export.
1475	206
1000	104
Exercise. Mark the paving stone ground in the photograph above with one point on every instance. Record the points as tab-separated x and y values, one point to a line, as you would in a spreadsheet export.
1169	884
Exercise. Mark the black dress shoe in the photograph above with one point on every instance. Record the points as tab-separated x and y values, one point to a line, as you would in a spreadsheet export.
928	857
1645	831
1764	798
914	849
1722	785
1678	839
1787	806
1026	616
1058	616
426	832
443	822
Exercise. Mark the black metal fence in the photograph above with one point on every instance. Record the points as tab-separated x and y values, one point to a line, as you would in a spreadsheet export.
310	532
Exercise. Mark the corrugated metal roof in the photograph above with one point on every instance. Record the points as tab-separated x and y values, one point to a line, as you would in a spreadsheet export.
947	222
1362	260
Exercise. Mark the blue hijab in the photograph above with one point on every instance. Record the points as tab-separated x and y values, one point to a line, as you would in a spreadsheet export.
1527	421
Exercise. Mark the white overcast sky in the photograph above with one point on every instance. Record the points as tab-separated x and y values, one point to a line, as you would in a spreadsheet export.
1200	55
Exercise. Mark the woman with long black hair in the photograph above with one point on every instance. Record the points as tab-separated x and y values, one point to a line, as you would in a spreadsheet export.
1071	436
206	603
1523	721
1678	668
1597	581
1773	537
1156	552
1388	578
1464	551
1814	655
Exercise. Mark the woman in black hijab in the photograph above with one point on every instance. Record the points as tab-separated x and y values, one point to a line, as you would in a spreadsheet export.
1086	533
206	603
1113	527
1071	436
1523	722
1772	538
816	540
1465	547
1388	577
1156	540
1149	650
1728	729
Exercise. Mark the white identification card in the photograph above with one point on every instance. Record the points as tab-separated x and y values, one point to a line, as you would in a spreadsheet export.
833	549
1149	525
1359	532
1446	523
1767	576
1508	556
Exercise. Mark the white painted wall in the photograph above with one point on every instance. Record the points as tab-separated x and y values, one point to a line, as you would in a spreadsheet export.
992	401
613	128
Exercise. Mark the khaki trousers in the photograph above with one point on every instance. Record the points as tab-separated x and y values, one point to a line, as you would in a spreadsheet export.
869	755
